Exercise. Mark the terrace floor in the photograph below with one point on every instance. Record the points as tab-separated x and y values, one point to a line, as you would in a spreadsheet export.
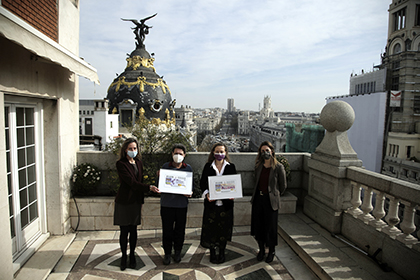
94	255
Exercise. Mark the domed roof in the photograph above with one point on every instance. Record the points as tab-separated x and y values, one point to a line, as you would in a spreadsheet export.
141	84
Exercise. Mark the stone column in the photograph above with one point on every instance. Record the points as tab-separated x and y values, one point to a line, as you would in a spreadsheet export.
329	192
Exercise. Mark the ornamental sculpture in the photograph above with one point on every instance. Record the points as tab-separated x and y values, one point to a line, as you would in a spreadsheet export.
139	88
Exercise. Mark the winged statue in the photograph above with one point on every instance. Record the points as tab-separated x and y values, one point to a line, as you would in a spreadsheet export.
141	29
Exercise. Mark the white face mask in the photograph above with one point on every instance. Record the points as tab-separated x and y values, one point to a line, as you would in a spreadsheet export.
178	158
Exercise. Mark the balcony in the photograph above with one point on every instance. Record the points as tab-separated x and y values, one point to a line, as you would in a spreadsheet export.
343	221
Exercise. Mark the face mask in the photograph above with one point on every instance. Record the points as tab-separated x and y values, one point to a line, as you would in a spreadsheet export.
219	157
132	154
178	158
266	155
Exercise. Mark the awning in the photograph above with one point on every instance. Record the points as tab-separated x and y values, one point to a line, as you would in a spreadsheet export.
18	31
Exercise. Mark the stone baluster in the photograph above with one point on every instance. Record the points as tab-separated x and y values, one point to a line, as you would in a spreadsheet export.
379	212
407	225
367	206
392	218
355	200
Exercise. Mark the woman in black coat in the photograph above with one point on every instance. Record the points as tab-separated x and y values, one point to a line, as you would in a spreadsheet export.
270	183
129	199
218	214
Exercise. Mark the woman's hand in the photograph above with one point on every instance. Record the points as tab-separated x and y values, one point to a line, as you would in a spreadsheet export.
208	198
154	189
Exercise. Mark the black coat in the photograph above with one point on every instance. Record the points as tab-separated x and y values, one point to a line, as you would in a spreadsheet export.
132	188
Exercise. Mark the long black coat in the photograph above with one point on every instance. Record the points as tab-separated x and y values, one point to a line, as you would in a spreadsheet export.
132	188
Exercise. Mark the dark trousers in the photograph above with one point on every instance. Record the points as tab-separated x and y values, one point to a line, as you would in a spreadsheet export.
173	227
264	221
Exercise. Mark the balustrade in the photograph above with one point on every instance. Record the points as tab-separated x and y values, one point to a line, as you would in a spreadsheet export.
384	218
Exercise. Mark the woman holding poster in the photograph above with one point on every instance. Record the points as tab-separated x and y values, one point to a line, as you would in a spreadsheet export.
129	199
218	214
270	183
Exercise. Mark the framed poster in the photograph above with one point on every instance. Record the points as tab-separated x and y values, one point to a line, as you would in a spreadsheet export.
225	186
172	181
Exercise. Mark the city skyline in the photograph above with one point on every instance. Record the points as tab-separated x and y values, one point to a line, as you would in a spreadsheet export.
211	51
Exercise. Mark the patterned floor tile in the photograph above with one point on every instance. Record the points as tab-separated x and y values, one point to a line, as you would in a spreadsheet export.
100	259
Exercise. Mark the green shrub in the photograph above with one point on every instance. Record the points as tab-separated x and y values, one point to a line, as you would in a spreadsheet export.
86	177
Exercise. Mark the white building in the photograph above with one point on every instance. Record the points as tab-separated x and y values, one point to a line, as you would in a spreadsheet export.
366	136
39	108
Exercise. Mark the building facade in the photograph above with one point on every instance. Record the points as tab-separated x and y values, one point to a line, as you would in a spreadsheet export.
230	105
401	62
39	70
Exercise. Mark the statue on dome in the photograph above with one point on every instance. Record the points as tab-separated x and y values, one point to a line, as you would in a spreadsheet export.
141	29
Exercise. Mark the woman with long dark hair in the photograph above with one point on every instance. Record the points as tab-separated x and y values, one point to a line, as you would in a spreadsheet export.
129	198
218	214
270	183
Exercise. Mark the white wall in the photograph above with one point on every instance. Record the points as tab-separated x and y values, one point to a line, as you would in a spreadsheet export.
367	133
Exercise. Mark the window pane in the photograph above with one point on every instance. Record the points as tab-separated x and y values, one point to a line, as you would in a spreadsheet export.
20	137
7	139
31	174
12	227
32	193
20	116
30	138
33	211
29	116
9	183
23	198
21	158
8	161
30	155
6	117
24	219
11	212
22	178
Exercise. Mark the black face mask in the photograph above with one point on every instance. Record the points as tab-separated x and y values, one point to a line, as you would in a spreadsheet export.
266	155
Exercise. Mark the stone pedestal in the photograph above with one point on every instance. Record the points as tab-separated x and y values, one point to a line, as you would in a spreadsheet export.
329	191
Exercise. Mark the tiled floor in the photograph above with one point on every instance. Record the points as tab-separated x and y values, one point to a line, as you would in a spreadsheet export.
100	257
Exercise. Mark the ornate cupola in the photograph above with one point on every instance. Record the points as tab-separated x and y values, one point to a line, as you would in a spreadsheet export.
139	90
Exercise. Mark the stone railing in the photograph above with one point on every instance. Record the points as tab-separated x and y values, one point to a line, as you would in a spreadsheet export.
379	200
363	206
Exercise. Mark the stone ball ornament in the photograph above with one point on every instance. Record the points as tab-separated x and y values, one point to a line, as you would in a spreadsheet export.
337	116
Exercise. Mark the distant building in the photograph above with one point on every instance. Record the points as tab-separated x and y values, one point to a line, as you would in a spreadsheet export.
369	82
96	125
265	126
231	105
184	117
244	121
86	112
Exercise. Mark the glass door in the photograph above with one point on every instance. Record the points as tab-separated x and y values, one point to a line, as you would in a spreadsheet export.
23	174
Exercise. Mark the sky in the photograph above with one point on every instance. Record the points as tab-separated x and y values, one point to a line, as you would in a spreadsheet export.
297	52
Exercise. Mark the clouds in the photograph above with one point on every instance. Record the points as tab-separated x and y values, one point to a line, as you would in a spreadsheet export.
211	50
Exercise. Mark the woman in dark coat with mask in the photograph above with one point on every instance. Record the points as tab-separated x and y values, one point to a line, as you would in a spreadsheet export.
270	183
218	214
129	199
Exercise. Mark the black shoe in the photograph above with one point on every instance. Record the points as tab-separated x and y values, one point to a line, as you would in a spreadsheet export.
260	255
270	257
123	264
221	256
167	259
133	262
213	258
177	256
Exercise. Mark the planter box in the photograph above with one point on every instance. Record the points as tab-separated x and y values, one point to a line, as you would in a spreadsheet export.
96	213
